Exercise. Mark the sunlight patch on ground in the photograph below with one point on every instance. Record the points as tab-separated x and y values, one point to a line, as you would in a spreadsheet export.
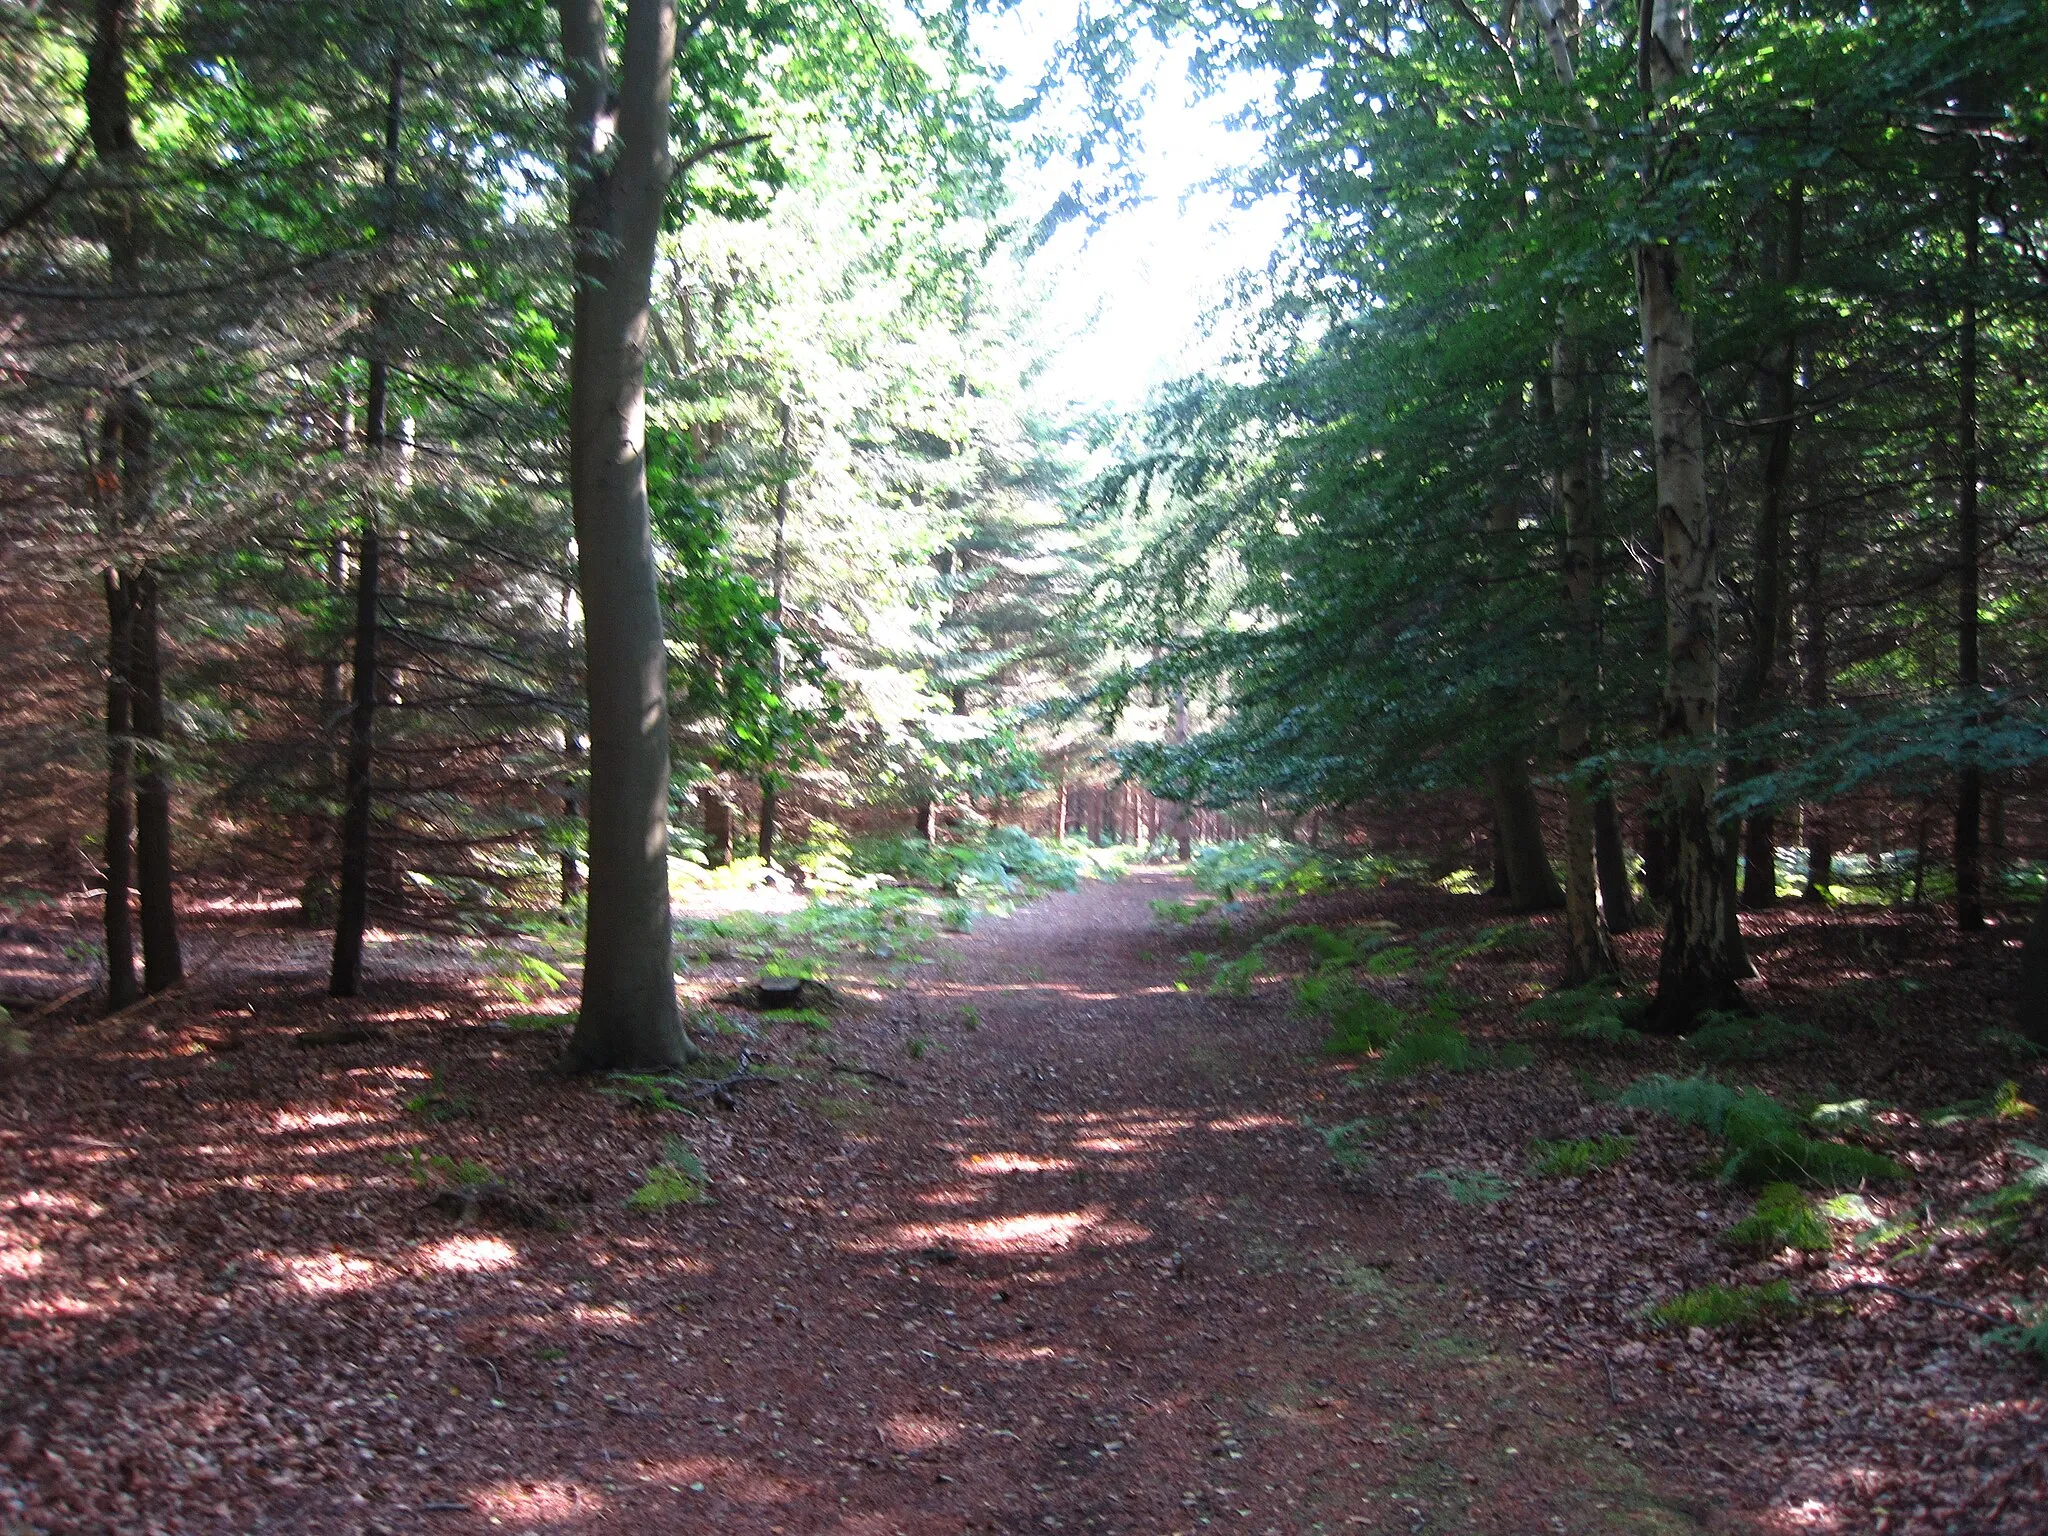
728	1477
1239	1124
1015	1162
1041	1232
58	1204
327	1273
471	1254
1809	1515
317	1120
555	1502
918	1432
19	1260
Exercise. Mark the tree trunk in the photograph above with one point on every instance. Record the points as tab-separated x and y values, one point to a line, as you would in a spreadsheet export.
120	931
2030	1002
345	977
1588	950
1813	662
1969	854
1532	887
1610	858
629	1018
352	900
1702	952
717	811
771	782
162	964
925	817
1767	597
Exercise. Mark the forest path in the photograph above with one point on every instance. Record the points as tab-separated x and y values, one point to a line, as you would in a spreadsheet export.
1127	1293
1061	1256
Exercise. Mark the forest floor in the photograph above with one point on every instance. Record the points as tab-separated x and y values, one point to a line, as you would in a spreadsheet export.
1034	1238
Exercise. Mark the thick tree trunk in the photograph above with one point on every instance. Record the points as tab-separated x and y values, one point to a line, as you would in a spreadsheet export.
1969	854
1588	950
120	834
1532	886
629	1018
162	963
924	818
1610	859
1702	953
345	975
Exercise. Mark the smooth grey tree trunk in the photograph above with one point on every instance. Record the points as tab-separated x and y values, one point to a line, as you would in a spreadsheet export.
629	1018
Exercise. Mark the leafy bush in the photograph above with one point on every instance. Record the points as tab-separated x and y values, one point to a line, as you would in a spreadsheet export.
1765	1142
1783	1218
1258	866
1576	1159
1183	913
1730	1037
1342	1143
1725	1306
1234	978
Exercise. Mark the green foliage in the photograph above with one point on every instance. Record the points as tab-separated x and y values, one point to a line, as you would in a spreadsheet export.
1468	1186
1431	1045
2011	1044
1765	1141
1343	1140
1595	1013
920	1046
1724	1038
2002	1103
438	1170
642	1090
809	1018
1360	1021
2027	1334
1847	1115
1234	978
1726	1306
1182	913
436	1103
539	1023
970	1017
1783	1218
679	1178
2004	1206
1576	1159
1391	961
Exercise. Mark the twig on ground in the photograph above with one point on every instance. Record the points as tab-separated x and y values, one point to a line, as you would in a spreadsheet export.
1922	1296
720	1089
874	1073
55	1003
497	1381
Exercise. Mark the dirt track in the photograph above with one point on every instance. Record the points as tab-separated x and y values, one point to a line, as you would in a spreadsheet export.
1083	1268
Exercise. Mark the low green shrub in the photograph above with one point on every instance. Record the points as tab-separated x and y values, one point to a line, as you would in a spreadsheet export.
1576	1159
1766	1143
1363	1022
1468	1186
678	1179
1431	1045
2002	1103
2028	1333
1725	1306
1598	1013
1783	1218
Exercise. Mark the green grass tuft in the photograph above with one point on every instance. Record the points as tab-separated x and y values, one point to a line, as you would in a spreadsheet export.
1783	1218
1576	1159
1725	1306
1431	1045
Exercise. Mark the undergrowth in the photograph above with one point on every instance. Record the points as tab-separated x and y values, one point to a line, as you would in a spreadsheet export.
1576	1159
1765	1142
1725	1306
1783	1218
